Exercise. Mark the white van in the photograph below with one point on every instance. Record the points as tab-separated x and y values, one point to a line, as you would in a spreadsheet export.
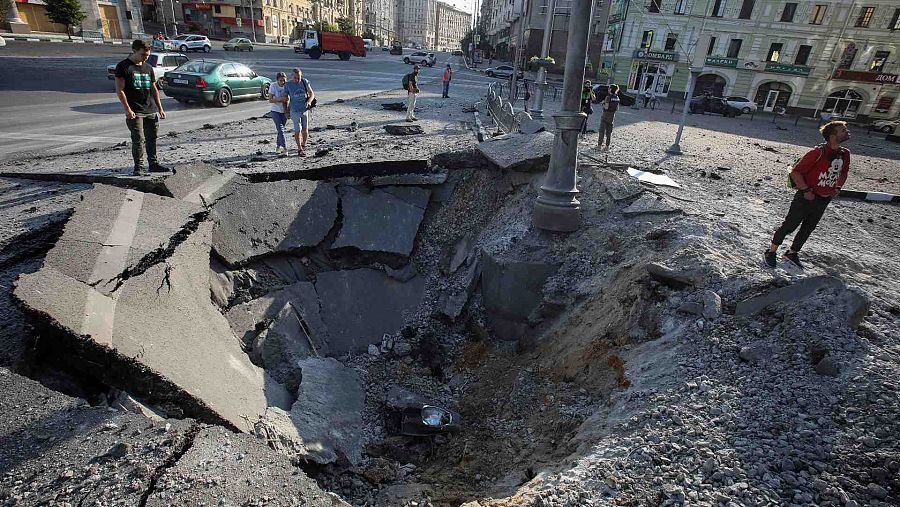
368	43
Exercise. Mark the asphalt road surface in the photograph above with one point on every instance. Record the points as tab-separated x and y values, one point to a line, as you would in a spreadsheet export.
55	97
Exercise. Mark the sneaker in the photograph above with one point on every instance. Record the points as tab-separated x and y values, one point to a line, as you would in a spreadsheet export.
139	171
156	167
281	150
793	257
769	256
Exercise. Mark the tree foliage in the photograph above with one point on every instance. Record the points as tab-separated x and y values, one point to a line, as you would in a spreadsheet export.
65	12
346	25
325	26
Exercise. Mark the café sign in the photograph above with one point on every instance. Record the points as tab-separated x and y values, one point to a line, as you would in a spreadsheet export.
646	54
871	77
721	61
784	68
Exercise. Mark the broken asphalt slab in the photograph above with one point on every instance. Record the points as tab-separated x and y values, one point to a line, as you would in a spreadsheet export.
798	290
325	423
249	318
649	204
404	130
360	306
150	184
197	182
255	219
155	332
519	152
511	291
368	215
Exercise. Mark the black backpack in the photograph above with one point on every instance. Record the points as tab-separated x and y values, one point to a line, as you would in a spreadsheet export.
406	81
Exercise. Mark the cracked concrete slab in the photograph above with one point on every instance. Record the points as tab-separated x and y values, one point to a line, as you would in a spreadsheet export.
284	342
256	219
360	306
158	335
369	215
799	290
198	182
519	152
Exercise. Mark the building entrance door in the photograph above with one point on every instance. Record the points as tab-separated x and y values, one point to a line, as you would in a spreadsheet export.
771	99
109	18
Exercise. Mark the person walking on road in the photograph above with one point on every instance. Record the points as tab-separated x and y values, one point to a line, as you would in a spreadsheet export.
448	75
300	99
411	85
610	106
136	90
587	99
279	99
818	176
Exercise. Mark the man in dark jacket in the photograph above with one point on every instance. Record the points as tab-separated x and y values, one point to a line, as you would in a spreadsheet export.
818	177
610	106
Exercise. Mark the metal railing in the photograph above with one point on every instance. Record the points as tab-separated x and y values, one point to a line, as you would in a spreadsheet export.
502	111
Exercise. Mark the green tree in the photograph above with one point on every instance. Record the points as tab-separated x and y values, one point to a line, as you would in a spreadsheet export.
346	25
65	12
324	26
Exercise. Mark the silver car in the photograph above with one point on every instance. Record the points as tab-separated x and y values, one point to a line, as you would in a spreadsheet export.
161	63
193	43
420	57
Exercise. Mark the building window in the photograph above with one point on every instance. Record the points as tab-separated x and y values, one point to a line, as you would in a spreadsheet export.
734	47
865	17
787	15
879	60
802	55
746	9
647	39
774	52
671	40
895	21
843	104
217	9
654	6
848	56
681	6
712	45
818	15
718	9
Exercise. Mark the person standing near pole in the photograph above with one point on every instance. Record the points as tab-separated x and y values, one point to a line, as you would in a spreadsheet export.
448	75
610	106
411	85
136	90
818	176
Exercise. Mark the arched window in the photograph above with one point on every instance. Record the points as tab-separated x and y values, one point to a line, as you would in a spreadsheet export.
711	83
773	96
843	104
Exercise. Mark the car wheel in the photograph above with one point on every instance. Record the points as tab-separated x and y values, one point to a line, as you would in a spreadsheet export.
886	129
264	92
746	110
406	61
490	73
424	62
250	48
223	97
207	49
184	48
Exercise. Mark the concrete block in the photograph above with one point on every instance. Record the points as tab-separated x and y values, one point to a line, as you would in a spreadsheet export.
519	152
368	215
511	291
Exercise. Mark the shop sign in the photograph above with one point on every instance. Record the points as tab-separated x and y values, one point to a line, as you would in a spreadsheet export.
645	54
784	68
721	61
871	77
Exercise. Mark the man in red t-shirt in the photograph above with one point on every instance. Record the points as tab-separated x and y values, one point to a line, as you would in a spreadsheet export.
818	176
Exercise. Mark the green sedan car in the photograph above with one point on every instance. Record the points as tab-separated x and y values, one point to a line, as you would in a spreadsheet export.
214	81
238	44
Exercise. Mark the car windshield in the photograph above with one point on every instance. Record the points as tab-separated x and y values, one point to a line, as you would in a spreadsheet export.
181	37
200	67
235	40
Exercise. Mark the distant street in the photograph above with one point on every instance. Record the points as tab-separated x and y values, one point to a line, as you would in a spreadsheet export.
55	97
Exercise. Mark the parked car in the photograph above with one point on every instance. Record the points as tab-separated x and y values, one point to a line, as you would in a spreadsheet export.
420	57
744	104
717	105
238	44
214	81
457	52
161	63
385	48
886	126
503	71
193	43
600	91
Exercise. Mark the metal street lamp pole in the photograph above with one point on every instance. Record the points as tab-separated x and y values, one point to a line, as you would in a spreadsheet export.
693	72
537	111
174	22
252	21
557	208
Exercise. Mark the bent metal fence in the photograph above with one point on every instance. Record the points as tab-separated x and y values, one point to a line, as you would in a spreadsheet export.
502	111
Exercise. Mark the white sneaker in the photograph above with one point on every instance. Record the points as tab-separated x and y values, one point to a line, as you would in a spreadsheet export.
281	150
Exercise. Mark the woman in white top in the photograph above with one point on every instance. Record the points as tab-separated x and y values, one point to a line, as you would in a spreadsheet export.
279	100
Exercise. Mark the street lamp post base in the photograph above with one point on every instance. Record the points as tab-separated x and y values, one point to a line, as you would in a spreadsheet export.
557	216
675	149
557	208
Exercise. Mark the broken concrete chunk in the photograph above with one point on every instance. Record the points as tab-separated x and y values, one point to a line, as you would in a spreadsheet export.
620	188
360	306
519	152
325	423
256	219
452	303
461	252
157	335
672	278
801	289
383	219
394	106
649	204
712	304
198	182
283	343
249	318
531	127
288	268
691	308
512	290
404	130
856	307
117	233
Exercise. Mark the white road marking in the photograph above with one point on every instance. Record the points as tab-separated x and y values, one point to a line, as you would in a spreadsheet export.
58	137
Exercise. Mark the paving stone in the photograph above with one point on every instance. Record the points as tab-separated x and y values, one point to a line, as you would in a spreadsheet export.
360	306
257	219
369	215
674	278
519	152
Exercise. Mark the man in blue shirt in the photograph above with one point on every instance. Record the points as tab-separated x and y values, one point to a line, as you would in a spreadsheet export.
301	96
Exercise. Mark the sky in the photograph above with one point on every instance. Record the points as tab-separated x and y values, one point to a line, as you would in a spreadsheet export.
463	5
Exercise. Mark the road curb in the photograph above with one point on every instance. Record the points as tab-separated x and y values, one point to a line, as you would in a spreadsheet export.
869	196
25	38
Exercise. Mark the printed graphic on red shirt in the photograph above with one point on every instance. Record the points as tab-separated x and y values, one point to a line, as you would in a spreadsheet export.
830	177
824	170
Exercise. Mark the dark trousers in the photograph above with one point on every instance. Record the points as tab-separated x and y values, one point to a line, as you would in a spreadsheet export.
806	215
606	126
143	136
446	89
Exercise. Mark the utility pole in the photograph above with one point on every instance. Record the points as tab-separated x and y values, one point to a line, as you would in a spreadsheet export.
557	207
537	111
693	73
518	55
174	22
252	21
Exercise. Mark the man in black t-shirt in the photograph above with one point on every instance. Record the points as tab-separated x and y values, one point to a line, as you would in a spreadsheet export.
136	90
